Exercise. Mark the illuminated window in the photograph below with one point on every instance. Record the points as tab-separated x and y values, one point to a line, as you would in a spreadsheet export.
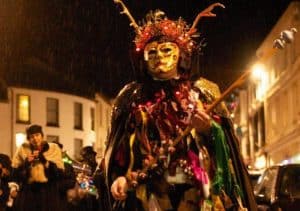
23	108
52	112
20	139
78	116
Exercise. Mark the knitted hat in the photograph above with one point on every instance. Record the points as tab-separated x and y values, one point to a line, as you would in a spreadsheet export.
33	129
87	150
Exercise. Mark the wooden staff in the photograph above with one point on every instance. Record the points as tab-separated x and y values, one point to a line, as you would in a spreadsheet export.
286	37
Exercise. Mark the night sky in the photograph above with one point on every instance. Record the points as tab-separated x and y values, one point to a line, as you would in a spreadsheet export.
83	46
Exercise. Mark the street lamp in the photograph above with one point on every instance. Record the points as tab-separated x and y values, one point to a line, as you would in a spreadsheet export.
260	77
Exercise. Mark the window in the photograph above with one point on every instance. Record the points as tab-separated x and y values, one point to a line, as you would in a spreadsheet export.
23	108
92	119
51	138
78	116
52	112
78	144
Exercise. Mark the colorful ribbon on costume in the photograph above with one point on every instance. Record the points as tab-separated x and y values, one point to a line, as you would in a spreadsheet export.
200	175
223	178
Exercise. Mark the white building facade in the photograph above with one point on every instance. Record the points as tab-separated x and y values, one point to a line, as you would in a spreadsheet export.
102	123
70	119
273	127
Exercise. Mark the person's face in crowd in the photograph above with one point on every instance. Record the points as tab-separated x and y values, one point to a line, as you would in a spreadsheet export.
89	158
4	172
162	59
36	139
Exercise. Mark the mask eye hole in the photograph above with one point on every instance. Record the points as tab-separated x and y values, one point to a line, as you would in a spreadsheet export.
166	50
152	53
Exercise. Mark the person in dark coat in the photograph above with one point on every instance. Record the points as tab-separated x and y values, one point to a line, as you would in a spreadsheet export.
68	182
87	189
5	171
82	194
165	151
88	156
38	168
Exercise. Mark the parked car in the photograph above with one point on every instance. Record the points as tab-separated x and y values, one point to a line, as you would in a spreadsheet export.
278	188
254	175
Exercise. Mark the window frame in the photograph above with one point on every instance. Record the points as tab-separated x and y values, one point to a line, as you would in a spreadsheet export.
78	114
53	111
92	113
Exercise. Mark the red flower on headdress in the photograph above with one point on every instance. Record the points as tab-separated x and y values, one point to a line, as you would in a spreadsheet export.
174	31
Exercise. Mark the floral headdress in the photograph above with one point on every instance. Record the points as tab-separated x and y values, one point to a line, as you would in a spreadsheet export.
157	25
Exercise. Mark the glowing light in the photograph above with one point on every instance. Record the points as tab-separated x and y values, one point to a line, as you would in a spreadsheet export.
296	159
260	162
260	77
24	103
258	72
23	108
284	162
20	139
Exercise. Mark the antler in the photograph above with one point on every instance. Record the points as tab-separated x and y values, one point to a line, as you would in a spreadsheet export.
205	13
126	12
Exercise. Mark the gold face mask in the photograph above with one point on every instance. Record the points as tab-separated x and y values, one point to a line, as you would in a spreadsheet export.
162	59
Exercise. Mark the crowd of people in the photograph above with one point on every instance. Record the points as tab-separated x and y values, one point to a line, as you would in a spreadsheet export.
37	178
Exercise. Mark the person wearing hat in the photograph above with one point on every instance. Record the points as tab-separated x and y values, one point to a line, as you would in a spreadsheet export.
5	168
38	168
164	150
88	156
87	192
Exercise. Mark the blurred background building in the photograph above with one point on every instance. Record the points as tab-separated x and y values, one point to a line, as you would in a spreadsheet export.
72	120
268	117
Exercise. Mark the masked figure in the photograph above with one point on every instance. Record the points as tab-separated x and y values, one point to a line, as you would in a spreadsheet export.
164	151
